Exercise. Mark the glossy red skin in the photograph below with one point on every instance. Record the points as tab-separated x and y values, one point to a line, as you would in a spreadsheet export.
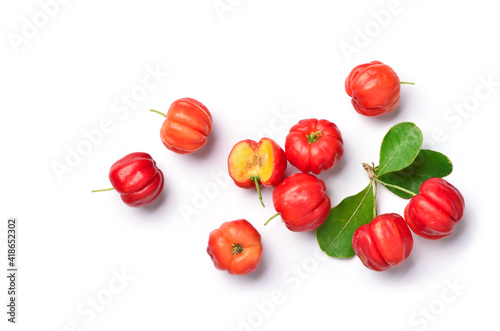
220	247
374	88
302	202
318	156
137	178
187	126
279	165
386	241
433	213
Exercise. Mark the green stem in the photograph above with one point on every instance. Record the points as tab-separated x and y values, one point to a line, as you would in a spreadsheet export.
256	179
106	189
158	112
269	220
396	187
373	177
237	249
313	137
407	83
374	198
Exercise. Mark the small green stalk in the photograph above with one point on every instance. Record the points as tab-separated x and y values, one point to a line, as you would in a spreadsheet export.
256	179
407	83
237	249
103	190
269	220
313	137
158	112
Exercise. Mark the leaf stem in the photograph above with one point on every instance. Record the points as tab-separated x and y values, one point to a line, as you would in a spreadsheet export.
373	177
269	220
374	198
369	170
103	190
396	187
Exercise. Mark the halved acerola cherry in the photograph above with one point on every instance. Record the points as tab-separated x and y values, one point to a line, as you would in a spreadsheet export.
251	163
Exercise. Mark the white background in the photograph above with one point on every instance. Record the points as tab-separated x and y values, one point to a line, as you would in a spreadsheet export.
260	67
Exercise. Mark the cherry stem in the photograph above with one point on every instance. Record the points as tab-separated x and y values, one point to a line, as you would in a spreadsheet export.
374	198
237	249
256	179
269	220
407	83
158	112
313	137
106	189
373	177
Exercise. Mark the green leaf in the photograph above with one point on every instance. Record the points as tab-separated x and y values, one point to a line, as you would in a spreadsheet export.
335	234
427	164
400	147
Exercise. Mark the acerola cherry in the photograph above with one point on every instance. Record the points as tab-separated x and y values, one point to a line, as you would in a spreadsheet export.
187	126
250	163
314	145
137	178
374	88
236	247
433	213
386	241
302	202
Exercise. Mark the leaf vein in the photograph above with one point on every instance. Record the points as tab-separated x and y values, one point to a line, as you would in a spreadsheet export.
392	156
352	216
